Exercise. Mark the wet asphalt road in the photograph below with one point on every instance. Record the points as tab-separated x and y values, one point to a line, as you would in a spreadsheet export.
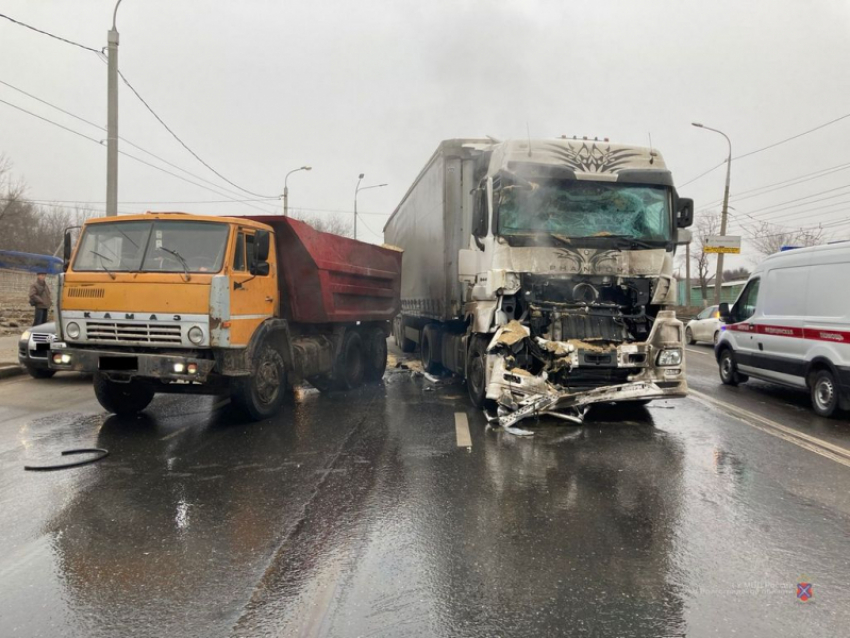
359	515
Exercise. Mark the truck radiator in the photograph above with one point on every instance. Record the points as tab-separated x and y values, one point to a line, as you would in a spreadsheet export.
586	327
117	331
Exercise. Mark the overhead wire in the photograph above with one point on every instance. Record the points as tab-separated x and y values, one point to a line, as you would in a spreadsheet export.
55	37
125	154
133	144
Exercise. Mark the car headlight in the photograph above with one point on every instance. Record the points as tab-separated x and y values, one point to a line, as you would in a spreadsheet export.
670	357
196	335
73	330
25	336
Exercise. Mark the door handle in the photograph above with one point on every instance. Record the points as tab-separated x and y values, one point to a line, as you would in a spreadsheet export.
269	299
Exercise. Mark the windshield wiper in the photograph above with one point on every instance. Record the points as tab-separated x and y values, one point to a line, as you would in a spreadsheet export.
102	264
628	242
182	261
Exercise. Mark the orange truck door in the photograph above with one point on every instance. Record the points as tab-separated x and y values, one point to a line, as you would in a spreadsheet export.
252	298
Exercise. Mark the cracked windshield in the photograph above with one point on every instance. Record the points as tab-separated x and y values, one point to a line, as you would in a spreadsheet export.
174	246
583	209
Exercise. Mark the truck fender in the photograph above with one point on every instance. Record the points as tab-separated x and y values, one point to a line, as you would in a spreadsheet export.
237	362
480	315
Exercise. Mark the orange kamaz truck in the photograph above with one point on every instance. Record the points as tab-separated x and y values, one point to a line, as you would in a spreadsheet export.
180	303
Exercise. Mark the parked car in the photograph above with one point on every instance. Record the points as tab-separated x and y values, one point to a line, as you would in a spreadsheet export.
706	326
791	325
34	348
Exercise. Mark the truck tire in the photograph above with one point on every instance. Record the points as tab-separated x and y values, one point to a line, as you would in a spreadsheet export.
349	368
122	398
404	344
476	371
261	393
429	348
375	356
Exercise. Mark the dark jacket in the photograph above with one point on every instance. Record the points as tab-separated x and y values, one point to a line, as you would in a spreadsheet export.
40	295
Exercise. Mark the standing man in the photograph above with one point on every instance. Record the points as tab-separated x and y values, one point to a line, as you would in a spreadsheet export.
40	299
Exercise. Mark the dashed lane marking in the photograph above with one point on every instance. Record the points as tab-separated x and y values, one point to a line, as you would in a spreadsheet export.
702	352
800	439
462	430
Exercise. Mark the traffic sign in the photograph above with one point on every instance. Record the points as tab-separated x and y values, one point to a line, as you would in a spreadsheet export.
723	244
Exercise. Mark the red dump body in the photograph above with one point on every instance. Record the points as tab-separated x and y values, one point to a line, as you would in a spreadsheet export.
325	278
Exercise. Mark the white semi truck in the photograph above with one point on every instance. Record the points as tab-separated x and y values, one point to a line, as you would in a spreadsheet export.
541	271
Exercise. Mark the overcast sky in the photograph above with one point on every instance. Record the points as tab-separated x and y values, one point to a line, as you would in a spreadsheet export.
258	88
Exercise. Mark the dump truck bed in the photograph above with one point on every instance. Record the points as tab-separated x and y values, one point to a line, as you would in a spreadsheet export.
325	278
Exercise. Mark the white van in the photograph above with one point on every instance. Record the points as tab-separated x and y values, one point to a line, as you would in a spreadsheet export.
791	325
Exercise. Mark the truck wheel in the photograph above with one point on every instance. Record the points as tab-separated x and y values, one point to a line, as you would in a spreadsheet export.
261	393
729	374
476	372
429	348
375	359
40	373
122	398
349	368
824	393
404	344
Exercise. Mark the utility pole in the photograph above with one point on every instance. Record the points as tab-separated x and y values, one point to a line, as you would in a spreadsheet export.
112	119
718	277
687	274
286	188
357	190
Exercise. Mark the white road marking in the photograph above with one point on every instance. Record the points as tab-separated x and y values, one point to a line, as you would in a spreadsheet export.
800	439
462	430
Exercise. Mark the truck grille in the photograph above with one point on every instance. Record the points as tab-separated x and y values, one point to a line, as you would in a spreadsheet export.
133	332
90	293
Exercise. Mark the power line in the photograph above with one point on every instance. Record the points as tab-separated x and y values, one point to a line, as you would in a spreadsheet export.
103	128
799	199
769	146
133	157
807	177
182	143
55	37
141	99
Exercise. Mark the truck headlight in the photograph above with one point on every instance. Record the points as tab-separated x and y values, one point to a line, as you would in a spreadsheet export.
196	335
670	357
73	330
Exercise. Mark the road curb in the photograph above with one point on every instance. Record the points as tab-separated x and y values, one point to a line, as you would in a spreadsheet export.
12	370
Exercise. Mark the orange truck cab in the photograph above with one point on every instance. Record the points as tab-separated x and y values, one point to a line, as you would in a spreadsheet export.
173	302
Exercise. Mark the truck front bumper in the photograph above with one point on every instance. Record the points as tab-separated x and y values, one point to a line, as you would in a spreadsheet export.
124	365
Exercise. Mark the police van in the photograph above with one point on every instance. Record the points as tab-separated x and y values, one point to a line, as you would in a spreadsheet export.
791	325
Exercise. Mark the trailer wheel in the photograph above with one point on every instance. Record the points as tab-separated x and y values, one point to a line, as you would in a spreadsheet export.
404	344
349	368
429	348
476	372
375	359
122	398
261	393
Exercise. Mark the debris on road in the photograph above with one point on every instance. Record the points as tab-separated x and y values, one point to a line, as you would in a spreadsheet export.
101	454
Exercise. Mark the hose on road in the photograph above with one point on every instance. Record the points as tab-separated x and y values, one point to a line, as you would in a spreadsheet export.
101	454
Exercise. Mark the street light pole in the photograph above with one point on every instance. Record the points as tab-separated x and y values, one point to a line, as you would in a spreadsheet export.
357	190
112	118
718	277
286	188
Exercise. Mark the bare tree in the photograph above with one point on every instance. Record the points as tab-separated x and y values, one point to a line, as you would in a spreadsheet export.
769	238
707	224
11	190
334	224
736	274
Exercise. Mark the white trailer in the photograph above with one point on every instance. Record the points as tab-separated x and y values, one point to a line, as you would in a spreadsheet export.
541	272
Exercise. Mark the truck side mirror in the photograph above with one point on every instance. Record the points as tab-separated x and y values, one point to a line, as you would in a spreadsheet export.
684	212
723	310
479	222
66	250
261	245
683	237
260	269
